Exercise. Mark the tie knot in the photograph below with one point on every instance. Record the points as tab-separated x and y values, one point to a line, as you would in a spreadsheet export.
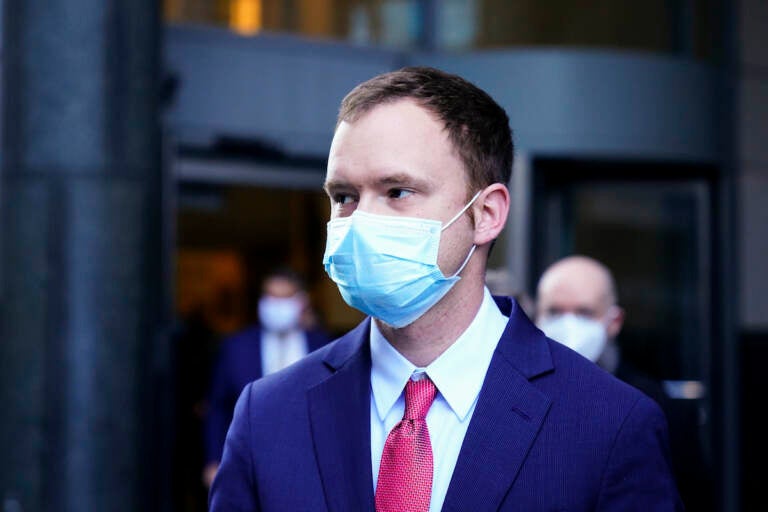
419	395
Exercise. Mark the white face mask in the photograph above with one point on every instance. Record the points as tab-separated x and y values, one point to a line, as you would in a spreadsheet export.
586	336
280	314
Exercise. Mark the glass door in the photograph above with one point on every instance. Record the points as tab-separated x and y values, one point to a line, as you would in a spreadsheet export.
652	225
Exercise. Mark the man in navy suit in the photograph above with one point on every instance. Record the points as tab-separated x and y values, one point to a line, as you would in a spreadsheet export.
577	305
281	338
417	175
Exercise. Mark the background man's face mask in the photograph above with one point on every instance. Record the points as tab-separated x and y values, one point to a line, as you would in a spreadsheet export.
585	335
280	314
386	266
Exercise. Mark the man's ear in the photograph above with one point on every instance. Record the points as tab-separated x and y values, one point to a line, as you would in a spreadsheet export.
615	322
490	212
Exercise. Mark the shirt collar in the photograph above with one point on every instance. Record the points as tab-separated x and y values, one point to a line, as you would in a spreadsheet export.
458	373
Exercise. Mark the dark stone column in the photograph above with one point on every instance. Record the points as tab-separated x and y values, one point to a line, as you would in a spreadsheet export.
81	297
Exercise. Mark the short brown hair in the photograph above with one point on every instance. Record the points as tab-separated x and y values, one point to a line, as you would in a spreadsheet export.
477	126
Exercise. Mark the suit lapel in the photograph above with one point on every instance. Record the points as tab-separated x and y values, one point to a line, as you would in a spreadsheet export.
506	420
339	409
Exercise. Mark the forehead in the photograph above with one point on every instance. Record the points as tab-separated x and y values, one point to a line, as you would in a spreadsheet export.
573	288
399	136
279	286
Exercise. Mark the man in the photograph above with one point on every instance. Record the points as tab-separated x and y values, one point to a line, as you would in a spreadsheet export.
443	399
577	305
279	340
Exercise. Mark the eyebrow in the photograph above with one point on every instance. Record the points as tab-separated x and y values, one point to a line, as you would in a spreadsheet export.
403	179
398	179
335	185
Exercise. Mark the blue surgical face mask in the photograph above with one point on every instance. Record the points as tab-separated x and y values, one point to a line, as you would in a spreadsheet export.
386	266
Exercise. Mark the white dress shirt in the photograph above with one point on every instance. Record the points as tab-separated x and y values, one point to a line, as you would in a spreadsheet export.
458	375
281	350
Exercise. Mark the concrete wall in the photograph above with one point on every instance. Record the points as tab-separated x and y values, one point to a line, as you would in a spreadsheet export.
595	103
284	91
280	90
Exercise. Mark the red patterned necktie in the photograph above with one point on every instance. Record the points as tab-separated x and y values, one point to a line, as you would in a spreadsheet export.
405	474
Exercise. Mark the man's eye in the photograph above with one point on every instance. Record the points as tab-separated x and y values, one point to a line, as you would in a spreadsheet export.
342	198
399	193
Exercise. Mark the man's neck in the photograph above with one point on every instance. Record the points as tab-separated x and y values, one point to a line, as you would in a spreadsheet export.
427	338
609	359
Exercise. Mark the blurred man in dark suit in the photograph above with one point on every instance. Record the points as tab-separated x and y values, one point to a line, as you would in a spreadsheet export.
577	305
280	339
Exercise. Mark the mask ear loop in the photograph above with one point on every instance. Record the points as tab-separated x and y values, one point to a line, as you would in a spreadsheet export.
472	250
466	260
447	224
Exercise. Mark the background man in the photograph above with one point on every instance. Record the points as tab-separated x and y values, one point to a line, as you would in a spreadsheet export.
279	340
577	305
443	399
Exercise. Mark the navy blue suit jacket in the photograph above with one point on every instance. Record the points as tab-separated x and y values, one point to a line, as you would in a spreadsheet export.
550	432
237	364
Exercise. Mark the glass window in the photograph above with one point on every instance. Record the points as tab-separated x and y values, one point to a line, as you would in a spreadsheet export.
686	27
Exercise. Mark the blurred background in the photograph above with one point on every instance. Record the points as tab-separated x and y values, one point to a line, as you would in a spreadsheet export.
159	158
